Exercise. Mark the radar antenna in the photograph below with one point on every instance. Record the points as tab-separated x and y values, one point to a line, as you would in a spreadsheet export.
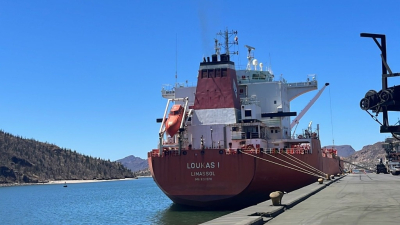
250	56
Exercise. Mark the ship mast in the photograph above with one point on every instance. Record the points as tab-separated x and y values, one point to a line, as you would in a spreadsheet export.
250	57
226	36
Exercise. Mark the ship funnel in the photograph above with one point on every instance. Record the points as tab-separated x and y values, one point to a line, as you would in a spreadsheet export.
214	58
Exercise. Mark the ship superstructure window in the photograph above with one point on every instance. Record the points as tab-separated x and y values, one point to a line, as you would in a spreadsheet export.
258	76
224	72
211	73
217	72
235	128
204	74
275	102
247	113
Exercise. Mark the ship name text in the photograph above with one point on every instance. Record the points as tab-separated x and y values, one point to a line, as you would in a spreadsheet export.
210	165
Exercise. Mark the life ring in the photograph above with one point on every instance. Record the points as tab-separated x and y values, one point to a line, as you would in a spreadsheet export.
220	152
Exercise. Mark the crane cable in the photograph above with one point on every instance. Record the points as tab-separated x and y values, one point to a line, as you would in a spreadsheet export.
330	105
374	118
306	172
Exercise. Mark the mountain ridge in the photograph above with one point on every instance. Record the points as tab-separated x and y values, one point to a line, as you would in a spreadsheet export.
134	163
25	160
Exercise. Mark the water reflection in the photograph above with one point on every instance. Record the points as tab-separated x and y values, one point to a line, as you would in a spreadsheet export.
177	214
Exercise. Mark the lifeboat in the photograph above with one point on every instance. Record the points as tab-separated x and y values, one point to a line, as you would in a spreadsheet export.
174	120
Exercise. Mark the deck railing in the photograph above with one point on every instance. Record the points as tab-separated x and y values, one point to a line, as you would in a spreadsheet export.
234	151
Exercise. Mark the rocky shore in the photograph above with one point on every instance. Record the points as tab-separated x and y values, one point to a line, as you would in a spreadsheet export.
62	182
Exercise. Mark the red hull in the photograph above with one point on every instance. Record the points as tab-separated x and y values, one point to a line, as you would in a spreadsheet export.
210	179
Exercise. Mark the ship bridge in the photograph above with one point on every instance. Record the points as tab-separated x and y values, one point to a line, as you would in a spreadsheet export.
299	88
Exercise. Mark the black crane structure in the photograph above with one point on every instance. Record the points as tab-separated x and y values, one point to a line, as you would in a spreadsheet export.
387	99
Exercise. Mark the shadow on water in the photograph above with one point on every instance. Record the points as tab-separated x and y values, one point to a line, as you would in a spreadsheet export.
177	214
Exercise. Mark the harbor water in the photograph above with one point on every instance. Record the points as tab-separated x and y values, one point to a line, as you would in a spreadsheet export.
137	201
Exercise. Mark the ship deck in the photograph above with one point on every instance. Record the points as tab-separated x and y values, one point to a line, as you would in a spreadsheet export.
352	199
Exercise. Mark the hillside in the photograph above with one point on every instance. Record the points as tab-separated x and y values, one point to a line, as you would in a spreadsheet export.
368	156
134	163
29	161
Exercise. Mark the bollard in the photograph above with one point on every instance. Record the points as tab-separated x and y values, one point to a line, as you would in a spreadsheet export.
276	197
321	180
280	197
327	177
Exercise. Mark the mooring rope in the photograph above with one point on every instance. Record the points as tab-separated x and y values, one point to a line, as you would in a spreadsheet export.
290	163
306	172
304	164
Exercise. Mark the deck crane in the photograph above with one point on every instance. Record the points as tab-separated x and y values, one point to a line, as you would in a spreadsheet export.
308	106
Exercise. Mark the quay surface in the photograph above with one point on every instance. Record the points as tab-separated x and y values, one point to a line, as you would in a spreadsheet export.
352	199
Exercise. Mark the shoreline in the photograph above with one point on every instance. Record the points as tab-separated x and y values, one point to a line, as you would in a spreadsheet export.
65	181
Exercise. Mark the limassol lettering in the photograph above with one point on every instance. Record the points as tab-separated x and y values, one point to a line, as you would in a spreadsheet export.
202	174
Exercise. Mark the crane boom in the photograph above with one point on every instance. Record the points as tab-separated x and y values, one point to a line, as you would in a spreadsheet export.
308	106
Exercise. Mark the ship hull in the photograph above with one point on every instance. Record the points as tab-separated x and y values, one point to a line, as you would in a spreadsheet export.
211	178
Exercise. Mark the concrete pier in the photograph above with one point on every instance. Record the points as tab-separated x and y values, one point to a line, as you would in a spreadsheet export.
352	199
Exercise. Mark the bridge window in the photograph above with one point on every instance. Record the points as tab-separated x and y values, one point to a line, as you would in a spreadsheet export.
224	72
218	73
247	113
204	74
211	73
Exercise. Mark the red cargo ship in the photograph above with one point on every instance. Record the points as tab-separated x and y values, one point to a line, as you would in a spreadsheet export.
227	142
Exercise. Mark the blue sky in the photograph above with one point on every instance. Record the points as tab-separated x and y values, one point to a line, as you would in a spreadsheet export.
87	75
